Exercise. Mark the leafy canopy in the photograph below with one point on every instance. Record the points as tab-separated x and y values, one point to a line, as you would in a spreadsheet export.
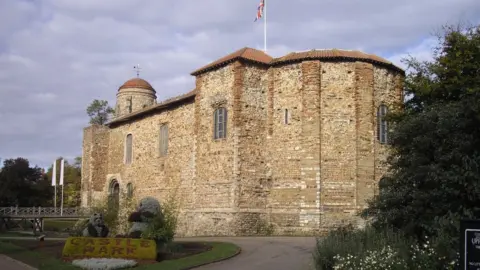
434	177
99	112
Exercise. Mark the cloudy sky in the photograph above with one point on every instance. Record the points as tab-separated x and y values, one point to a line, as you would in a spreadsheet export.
56	56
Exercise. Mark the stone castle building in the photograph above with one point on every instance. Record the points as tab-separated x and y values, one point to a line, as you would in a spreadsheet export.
292	144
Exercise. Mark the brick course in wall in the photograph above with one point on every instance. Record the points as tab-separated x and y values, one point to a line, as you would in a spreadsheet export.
300	155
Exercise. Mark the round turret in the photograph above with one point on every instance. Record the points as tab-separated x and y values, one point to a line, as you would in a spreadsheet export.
134	95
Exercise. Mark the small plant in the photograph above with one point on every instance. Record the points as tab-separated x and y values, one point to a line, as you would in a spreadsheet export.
78	228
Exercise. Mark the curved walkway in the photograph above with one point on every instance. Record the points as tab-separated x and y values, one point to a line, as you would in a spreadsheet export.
265	253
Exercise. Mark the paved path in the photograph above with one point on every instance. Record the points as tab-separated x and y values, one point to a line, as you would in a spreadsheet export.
8	263
265	253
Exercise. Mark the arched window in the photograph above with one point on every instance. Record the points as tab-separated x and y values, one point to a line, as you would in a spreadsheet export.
220	126
382	125
163	140
129	190
128	149
114	194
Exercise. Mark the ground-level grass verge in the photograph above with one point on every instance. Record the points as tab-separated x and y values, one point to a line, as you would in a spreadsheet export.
36	259
58	224
16	234
219	251
50	224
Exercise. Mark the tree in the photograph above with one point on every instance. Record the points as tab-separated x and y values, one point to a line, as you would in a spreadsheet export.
434	177
77	163
99	112
23	185
71	181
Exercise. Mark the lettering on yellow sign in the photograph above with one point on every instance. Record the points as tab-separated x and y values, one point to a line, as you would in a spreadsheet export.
110	248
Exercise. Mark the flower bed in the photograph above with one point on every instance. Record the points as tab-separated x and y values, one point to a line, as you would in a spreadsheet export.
104	263
378	250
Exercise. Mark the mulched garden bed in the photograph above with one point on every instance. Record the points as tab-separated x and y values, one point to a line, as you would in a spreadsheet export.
54	249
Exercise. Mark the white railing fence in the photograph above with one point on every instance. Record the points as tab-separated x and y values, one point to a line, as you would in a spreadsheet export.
43	211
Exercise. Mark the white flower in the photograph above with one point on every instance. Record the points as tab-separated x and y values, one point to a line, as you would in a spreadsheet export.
104	263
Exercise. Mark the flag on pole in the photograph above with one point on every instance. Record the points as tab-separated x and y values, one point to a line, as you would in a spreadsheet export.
62	164
260	10
54	174
262	13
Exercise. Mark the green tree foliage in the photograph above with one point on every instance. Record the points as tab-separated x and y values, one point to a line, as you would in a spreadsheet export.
72	182
434	179
99	112
23	185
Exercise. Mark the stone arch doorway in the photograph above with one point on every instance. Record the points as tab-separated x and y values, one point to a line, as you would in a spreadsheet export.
114	194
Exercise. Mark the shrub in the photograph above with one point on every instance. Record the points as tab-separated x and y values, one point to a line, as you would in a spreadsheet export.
79	226
115	218
162	228
347	242
347	248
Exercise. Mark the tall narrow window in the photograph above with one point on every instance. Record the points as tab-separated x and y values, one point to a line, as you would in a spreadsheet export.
130	105
129	190
382	125
220	127
163	140
128	149
285	117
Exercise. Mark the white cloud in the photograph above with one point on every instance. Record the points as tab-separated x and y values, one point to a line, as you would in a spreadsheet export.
58	55
43	97
421	52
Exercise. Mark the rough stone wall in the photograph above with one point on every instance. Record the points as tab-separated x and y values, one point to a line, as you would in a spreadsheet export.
94	164
385	92
250	105
365	132
150	173
141	98
338	142
215	184
310	214
284	146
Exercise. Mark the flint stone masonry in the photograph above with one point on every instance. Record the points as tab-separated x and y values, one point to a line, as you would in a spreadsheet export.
300	155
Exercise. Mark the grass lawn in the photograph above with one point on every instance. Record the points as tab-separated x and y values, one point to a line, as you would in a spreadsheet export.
15	234
51	224
56	225
44	260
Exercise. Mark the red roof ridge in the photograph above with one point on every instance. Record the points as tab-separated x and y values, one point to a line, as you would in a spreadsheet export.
260	57
245	53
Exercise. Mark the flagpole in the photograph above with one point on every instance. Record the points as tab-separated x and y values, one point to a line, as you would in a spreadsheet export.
54	183
265	26
62	172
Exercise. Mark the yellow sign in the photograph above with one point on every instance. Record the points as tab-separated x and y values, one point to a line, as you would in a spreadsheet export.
127	248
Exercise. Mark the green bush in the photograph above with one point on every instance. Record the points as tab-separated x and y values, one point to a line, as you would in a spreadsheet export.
372	249
116	218
162	228
346	241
